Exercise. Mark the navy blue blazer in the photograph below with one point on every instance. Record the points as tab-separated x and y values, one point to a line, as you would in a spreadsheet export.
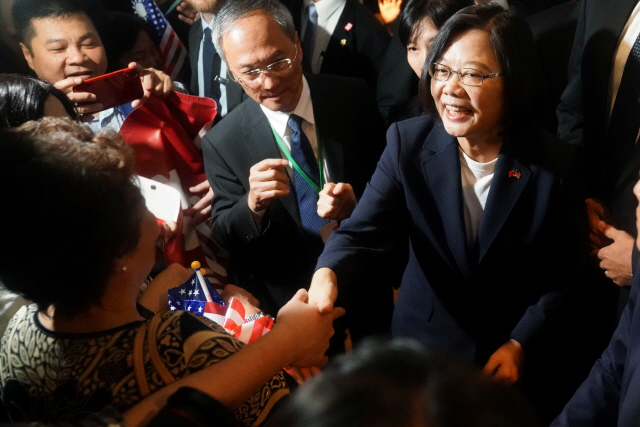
610	396
456	298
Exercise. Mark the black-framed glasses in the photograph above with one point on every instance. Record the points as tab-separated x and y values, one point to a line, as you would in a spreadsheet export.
251	77
467	76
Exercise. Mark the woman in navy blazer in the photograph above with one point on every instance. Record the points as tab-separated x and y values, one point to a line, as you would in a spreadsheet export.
485	277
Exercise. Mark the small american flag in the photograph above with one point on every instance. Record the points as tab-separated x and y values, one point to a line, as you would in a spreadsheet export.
190	297
171	48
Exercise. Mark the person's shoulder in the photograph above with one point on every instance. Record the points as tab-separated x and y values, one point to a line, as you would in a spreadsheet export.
232	125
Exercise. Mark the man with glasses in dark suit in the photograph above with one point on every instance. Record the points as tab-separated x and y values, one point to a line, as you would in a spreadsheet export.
290	162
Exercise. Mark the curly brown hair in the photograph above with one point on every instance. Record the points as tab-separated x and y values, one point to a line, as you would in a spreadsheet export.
77	209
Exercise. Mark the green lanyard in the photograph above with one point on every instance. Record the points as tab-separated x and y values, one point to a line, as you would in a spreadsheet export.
302	173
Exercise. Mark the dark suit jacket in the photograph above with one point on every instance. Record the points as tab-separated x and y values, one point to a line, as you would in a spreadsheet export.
583	112
610	395
397	82
365	44
468	301
235	93
553	32
276	263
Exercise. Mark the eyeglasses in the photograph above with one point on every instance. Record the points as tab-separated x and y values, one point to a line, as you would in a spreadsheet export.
467	76
252	77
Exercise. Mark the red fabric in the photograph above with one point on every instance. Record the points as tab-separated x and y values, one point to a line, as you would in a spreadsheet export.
163	134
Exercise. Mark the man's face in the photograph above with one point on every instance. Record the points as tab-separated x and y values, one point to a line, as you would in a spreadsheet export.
256	41
206	6
67	46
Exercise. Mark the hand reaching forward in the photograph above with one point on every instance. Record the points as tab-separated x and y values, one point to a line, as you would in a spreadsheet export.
336	201
267	181
505	363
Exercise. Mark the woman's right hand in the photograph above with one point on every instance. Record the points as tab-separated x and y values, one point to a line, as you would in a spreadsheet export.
306	330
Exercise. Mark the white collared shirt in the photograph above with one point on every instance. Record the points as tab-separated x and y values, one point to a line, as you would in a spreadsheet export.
223	107
627	39
329	12
278	121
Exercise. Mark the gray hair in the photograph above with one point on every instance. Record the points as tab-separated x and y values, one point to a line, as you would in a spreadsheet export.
233	10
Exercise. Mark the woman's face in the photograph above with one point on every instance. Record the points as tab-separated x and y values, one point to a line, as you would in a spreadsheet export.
473	113
143	52
423	34
54	108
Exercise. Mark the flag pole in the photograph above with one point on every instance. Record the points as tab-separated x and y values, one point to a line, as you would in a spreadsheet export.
196	266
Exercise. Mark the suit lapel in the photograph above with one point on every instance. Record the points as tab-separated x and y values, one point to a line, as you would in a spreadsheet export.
503	195
341	33
441	166
259	136
332	149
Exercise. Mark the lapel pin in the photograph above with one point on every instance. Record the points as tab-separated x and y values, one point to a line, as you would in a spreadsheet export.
343	42
348	27
515	173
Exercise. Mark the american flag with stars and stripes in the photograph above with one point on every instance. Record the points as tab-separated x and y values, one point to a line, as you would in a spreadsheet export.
190	297
171	48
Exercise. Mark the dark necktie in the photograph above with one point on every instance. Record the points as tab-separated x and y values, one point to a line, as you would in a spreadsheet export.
210	67
308	42
302	153
625	117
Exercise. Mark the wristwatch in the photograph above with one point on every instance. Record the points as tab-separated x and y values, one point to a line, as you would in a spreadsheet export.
254	317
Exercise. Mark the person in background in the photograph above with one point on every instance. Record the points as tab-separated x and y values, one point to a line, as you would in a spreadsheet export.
610	394
63	47
209	73
397	383
486	197
83	333
126	39
419	24
340	37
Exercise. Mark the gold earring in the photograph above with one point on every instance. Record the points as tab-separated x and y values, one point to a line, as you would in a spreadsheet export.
124	268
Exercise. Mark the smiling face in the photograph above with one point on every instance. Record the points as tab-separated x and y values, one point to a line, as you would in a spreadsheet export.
470	113
256	41
418	47
65	47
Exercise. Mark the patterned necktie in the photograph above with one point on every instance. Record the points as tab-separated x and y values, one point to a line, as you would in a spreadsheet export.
210	65
625	116
302	153
308	42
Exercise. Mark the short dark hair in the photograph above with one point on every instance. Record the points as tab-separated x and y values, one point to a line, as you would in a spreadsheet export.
24	12
22	99
77	210
398	383
512	42
119	34
438	11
